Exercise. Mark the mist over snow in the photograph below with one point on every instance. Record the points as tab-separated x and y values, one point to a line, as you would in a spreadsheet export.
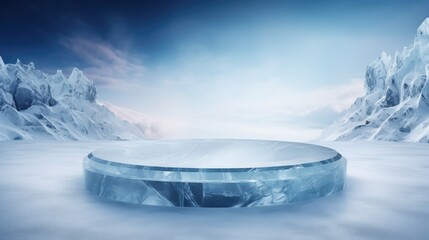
43	197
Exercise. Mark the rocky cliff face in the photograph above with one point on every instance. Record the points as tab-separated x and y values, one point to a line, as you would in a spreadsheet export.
38	105
396	104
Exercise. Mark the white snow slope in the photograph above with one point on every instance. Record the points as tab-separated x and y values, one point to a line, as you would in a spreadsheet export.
396	104
142	121
35	105
43	197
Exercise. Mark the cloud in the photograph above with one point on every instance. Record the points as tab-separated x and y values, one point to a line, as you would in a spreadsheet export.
341	96
207	95
266	111
319	118
107	65
276	100
270	111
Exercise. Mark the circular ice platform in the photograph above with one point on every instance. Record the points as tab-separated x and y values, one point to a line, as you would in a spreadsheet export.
214	173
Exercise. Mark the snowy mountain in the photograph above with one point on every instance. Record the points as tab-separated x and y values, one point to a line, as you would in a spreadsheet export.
35	105
396	104
142	121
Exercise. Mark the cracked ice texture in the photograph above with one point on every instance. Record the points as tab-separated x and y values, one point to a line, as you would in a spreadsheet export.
214	173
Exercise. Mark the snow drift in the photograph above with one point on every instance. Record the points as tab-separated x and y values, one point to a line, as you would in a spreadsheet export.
396	104
38	105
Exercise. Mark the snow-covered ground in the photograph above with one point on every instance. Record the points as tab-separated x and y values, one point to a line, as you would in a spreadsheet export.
42	197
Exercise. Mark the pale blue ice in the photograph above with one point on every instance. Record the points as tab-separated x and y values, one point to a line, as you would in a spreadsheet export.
214	173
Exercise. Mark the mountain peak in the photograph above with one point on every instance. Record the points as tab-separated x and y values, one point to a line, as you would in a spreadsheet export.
53	107
31	66
395	105
76	74
83	87
76	70
3	69
423	30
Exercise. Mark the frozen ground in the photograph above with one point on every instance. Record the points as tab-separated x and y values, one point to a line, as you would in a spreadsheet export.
42	197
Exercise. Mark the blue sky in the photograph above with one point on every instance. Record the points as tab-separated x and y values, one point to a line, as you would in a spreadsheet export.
258	69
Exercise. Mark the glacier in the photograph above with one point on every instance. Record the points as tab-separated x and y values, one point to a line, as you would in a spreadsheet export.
395	106
214	173
36	105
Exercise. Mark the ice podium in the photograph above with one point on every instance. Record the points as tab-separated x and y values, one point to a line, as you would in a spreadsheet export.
214	173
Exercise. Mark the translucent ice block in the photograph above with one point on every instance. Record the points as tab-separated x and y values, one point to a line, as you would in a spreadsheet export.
214	173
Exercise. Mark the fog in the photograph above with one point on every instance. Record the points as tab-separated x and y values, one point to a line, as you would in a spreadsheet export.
43	197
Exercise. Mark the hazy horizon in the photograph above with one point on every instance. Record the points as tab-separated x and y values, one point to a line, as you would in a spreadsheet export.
232	69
